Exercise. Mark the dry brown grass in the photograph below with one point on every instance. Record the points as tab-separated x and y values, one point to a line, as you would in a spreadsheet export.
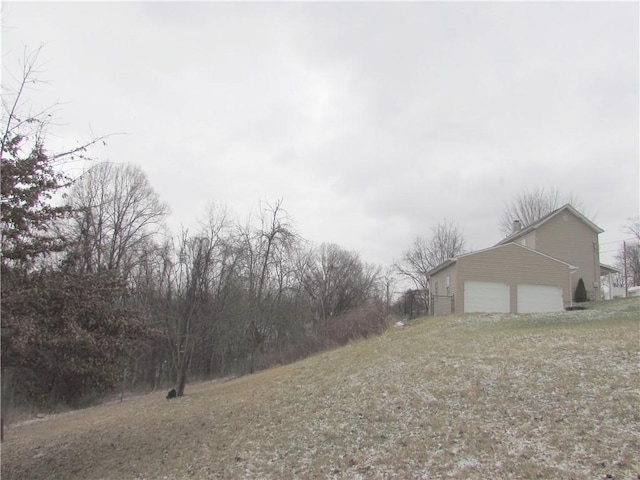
486	396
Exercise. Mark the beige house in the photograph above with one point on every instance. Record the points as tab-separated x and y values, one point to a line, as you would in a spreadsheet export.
568	235
535	269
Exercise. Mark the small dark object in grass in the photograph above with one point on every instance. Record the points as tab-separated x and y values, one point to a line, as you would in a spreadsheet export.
575	307
172	394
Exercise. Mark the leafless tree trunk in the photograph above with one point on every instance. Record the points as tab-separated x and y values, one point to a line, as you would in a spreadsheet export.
264	248
191	301
200	276
387	281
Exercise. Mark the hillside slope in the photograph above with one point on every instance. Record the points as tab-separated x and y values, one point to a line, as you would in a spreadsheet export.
475	396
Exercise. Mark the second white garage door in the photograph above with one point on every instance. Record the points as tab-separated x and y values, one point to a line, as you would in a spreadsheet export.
486	297
539	298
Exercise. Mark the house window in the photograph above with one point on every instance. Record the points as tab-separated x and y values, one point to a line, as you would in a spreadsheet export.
435	289
448	286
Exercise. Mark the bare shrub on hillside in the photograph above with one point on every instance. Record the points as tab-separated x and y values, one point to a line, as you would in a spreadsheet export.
370	318
311	345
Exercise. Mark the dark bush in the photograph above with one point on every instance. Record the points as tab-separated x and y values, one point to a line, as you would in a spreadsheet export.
70	333
581	292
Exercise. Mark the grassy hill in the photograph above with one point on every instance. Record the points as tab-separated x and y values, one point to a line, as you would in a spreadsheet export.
470	396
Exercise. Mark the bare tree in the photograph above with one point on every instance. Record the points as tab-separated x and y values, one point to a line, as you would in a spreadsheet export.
199	275
22	125
264	249
193	302
222	261
532	205
336	281
31	175
116	213
446	241
387	281
628	260
184	300
633	227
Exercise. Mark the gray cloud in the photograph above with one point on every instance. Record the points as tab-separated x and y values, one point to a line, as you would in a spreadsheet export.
372	120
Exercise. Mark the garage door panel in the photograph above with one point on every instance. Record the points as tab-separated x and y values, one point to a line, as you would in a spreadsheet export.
486	297
539	298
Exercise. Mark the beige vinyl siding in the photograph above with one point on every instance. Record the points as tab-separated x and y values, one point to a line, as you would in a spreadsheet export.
528	240
568	238
514	265
441	307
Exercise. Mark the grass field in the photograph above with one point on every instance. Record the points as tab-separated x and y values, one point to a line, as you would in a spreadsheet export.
470	396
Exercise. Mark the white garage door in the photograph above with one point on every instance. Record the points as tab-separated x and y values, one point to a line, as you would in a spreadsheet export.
539	298
486	297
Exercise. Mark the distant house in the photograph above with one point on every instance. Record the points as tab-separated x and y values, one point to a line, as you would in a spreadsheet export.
535	269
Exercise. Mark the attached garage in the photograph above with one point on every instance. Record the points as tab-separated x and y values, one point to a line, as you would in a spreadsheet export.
486	297
539	298
502	279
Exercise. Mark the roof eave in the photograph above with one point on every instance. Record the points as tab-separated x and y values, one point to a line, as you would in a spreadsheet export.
442	266
609	268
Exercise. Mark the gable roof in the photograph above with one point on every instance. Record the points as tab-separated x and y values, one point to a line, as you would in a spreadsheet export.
451	261
568	207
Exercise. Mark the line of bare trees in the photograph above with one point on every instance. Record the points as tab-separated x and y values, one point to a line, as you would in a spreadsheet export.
227	297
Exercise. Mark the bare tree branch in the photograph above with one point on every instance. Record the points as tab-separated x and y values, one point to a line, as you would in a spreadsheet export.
532	205
447	241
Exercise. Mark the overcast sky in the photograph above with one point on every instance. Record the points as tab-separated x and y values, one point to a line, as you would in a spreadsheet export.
372	121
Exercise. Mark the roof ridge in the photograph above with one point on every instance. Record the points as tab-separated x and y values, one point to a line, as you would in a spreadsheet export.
531	226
